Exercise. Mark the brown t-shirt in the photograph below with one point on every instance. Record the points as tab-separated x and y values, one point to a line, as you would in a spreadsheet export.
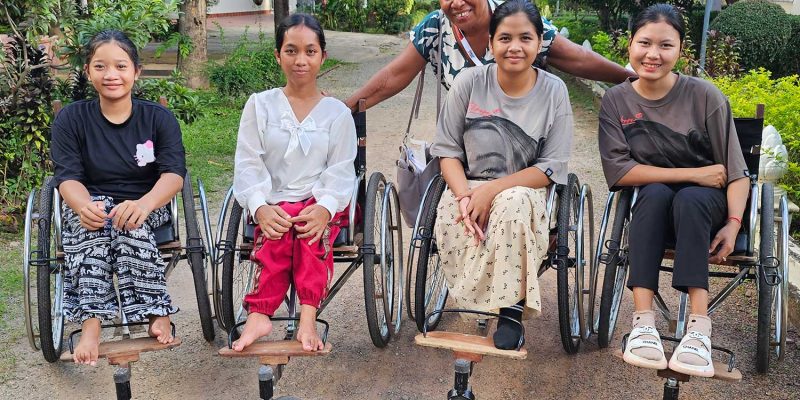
687	128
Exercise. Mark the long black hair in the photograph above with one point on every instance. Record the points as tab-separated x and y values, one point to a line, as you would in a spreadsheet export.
299	19
512	7
658	13
109	36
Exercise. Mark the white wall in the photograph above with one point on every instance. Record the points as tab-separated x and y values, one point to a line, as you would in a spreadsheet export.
232	6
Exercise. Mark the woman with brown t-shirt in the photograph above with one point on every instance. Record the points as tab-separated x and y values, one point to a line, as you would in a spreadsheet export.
672	136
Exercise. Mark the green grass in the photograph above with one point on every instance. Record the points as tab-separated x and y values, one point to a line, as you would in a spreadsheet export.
579	94
10	300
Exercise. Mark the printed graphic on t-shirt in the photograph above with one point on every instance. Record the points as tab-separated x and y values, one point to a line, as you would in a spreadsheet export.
656	144
496	147
145	153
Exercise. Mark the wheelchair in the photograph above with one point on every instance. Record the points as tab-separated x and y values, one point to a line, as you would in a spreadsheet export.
766	264
372	240
570	253
44	274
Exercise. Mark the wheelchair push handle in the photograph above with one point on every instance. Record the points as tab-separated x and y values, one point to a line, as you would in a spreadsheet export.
324	323
484	313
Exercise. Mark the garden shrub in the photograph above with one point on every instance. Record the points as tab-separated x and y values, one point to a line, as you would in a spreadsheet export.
580	26
342	15
181	100
251	67
763	30
722	55
781	98
392	16
790	59
612	46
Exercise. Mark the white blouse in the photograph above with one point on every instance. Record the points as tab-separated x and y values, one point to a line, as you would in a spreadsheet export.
280	159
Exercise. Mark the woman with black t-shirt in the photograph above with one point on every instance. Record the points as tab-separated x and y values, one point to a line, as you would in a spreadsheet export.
118	163
673	137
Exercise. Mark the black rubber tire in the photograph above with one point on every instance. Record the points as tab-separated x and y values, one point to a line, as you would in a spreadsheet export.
605	331
380	338
567	207
197	259
229	262
765	251
427	250
50	350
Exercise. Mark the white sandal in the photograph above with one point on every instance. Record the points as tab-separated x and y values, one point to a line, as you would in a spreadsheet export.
704	352
635	341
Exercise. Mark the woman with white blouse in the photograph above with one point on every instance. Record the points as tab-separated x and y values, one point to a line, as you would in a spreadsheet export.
294	174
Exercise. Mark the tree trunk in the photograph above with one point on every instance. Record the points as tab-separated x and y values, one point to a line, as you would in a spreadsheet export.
280	10
192	23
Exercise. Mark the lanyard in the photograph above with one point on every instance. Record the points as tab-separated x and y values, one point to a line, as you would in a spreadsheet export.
465	47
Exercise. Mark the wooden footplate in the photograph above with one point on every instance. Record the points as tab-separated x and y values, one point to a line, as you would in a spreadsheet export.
720	371
126	351
275	352
468	347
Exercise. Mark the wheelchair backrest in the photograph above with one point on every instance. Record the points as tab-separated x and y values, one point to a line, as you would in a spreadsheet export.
749	132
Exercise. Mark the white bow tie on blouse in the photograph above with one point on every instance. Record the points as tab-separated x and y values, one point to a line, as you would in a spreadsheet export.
299	132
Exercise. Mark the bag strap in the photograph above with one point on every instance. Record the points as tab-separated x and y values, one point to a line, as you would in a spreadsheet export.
415	105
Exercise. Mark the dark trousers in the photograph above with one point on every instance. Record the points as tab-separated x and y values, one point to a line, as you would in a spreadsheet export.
684	217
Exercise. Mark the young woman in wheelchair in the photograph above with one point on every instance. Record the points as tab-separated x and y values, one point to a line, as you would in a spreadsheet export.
672	136
294	174
118	163
503	137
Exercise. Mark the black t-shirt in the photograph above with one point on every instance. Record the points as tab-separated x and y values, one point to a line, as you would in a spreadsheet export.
124	160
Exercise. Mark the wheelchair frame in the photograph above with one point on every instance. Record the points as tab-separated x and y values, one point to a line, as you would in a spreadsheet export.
567	255
766	264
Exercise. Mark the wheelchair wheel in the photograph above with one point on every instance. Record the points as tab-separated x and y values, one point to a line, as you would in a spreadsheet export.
572	240
430	292
765	286
238	271
616	268
196	254
393	239
782	296
380	225
50	275
30	248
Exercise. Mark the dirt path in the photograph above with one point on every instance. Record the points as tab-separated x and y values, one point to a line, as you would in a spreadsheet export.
356	369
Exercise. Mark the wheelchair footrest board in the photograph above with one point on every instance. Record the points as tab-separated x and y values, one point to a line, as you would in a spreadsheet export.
720	370
463	343
280	348
127	350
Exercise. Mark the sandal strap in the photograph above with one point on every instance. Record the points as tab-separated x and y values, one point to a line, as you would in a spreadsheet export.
703	351
635	340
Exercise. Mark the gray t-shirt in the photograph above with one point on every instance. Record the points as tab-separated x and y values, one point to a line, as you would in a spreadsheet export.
687	128
495	135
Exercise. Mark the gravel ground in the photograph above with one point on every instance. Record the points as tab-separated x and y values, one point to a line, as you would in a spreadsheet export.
356	369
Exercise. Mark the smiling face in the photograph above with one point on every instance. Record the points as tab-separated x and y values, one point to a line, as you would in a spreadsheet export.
654	50
300	56
466	14
112	72
515	43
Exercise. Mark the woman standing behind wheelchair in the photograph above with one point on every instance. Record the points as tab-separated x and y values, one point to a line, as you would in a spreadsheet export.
672	136
294	174
504	135
118	163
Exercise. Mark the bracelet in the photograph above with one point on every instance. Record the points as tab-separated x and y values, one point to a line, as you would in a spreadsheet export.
737	219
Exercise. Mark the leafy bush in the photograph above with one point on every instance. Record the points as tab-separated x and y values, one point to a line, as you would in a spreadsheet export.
763	30
392	16
781	98
790	59
341	15
251	67
722	55
612	46
183	101
580	26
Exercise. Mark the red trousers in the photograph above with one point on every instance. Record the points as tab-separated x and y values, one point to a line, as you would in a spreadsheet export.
290	259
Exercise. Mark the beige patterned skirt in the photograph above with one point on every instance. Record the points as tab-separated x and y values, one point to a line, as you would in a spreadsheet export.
502	270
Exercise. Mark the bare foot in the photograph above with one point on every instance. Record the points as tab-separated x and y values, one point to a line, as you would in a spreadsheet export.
257	325
160	329
89	344
307	329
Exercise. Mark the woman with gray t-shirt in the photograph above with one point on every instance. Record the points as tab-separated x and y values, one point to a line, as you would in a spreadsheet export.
504	135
